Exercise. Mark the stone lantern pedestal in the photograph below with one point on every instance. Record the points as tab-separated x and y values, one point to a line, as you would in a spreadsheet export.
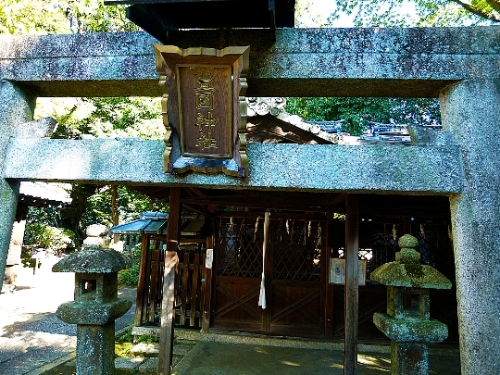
95	307
407	322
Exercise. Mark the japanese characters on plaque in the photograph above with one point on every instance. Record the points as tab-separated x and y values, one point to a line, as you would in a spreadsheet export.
204	91
205	106
205	94
205	120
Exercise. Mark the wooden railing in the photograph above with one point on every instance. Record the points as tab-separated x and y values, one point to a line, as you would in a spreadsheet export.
188	299
150	287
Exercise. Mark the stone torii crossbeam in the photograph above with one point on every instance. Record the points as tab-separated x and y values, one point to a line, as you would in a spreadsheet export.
461	66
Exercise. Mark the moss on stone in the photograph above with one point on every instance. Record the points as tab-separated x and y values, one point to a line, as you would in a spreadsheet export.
408	272
414	271
407	241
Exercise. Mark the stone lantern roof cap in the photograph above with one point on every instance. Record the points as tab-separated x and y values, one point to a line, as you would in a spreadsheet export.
407	271
92	260
410	276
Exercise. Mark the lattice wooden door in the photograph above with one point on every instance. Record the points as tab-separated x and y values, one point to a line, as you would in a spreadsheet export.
297	282
294	280
238	272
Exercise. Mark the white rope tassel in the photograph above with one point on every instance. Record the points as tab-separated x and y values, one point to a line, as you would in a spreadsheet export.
262	294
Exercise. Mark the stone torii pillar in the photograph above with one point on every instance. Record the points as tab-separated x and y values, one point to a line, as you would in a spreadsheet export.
471	112
16	108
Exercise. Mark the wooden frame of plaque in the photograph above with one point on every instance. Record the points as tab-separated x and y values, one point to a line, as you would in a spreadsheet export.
203	108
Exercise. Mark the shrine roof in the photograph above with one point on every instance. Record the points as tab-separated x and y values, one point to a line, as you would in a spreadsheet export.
42	194
149	222
157	17
153	222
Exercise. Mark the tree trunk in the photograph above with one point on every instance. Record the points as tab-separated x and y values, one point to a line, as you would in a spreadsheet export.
72	213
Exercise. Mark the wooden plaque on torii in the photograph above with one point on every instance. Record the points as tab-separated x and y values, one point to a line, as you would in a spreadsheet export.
203	108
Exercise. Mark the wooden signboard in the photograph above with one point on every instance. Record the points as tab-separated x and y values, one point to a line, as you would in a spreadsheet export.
203	97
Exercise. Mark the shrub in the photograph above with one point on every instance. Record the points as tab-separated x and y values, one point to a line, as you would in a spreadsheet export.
130	275
50	238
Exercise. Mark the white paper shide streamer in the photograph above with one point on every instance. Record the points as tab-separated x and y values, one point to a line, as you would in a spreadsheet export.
262	294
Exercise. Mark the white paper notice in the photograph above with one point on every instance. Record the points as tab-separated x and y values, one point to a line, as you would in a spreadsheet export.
209	258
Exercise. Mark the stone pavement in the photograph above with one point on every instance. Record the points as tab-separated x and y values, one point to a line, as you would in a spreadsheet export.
231	355
145	361
223	354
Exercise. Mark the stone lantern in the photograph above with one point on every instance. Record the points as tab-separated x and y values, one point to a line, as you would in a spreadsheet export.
407	322
95	308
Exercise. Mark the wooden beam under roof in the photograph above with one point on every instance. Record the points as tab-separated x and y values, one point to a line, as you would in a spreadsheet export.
271	200
196	192
196	209
371	205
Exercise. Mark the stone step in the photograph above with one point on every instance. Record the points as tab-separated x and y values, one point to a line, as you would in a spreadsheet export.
144	349
136	365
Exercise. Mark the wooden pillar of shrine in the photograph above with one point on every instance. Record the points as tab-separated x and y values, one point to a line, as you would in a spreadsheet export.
167	305
351	302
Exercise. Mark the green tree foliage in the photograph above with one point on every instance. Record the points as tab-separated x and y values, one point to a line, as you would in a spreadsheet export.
100	117
47	237
61	17
110	118
381	13
421	13
32	17
91	204
358	111
130	205
106	117
407	13
130	275
71	214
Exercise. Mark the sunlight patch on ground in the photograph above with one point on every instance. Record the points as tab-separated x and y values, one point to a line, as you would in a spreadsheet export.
41	339
371	360
31	340
337	365
36	338
261	351
374	363
35	294
288	363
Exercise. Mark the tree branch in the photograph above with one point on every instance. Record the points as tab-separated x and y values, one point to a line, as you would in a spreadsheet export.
480	11
495	4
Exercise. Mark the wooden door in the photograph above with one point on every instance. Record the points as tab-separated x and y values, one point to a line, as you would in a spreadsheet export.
238	270
295	283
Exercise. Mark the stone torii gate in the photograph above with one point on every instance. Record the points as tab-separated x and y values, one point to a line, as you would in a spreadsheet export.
459	65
